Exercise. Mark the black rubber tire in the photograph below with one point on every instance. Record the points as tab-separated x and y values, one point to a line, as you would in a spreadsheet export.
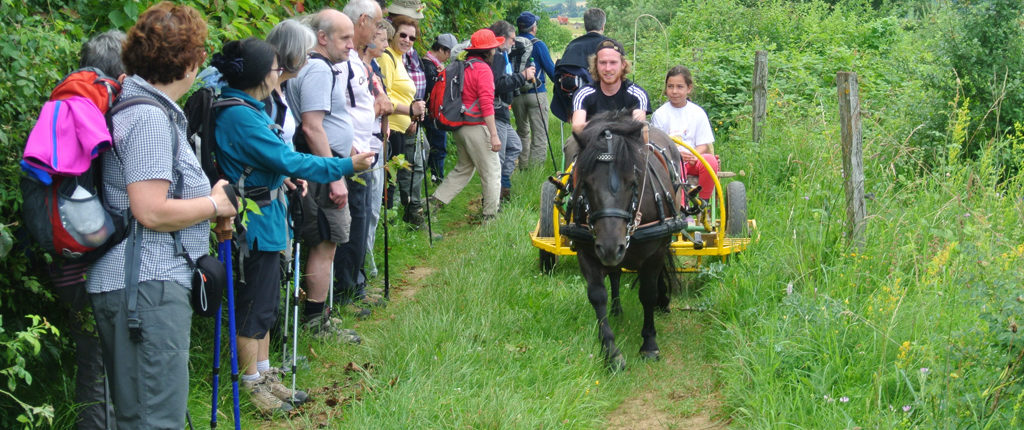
735	209
547	224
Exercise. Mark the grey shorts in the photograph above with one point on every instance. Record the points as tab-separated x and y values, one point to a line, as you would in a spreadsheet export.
322	220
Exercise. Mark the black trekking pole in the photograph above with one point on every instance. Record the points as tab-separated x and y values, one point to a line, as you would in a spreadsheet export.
384	211
426	186
547	139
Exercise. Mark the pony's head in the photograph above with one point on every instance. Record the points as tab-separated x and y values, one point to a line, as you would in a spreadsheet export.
607	171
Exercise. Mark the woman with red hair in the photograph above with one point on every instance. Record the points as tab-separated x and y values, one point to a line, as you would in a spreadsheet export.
140	288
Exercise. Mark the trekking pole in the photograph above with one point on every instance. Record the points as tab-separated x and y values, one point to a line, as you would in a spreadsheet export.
295	318
287	307
551	153
295	210
330	295
224	250
561	135
384	211
426	187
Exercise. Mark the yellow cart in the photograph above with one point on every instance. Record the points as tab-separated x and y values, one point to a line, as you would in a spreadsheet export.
728	207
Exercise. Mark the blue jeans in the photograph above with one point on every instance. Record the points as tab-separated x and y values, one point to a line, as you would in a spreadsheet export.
511	146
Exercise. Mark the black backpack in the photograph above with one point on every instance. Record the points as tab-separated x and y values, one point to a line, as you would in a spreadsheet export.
200	110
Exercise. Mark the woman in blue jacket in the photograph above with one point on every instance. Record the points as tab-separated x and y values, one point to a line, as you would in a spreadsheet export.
253	155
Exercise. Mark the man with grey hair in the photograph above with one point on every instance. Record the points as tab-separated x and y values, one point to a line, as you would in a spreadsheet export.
349	258
103	52
326	130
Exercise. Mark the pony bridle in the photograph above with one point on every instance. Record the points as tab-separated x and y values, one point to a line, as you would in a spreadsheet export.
632	216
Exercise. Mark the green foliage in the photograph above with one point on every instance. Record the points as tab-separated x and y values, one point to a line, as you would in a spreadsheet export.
983	41
17	348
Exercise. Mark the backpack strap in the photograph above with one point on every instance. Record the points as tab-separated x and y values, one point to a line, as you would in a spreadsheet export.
330	65
348	82
133	248
226	102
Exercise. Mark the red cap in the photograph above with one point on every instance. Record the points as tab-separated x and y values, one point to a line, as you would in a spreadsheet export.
484	39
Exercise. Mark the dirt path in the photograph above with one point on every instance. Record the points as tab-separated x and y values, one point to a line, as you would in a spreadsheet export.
682	393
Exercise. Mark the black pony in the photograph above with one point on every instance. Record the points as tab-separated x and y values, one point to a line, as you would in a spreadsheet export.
624	209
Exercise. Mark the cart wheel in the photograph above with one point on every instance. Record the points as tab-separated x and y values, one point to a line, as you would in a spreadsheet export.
547	224
735	209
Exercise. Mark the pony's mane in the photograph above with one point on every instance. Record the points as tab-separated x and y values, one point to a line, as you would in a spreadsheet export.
593	142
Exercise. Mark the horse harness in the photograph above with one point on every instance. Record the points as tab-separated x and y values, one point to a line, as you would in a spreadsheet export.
580	220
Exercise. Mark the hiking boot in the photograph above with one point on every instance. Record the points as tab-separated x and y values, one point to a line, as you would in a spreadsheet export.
435	205
330	328
357	311
506	194
279	390
262	398
372	299
414	217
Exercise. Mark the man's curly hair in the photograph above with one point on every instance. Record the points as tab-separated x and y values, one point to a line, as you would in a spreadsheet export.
167	41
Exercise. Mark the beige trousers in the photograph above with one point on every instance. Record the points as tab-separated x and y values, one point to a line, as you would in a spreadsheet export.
473	143
531	112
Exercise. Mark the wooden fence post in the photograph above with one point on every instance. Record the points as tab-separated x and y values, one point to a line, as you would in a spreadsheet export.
853	156
760	93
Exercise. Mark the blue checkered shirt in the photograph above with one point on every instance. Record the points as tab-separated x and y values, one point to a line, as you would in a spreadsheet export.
143	143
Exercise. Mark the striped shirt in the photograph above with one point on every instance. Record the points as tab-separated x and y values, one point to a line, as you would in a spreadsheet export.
592	100
142	142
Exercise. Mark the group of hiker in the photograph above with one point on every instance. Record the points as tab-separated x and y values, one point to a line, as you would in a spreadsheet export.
305	121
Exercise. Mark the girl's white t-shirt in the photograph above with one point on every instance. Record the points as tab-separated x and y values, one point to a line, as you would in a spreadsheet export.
689	123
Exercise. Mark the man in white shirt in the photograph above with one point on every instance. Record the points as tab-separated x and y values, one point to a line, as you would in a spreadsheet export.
350	283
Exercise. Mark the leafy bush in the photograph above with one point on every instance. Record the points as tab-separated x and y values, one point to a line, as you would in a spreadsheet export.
986	50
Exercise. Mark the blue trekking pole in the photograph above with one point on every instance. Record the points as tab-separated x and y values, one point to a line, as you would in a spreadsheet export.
224	250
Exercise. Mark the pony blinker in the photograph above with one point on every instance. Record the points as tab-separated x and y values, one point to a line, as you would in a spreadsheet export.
608	157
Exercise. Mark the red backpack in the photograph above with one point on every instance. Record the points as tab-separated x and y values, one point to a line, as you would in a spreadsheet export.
91	83
65	211
446	109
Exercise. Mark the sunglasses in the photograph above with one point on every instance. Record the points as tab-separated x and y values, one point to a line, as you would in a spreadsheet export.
406	36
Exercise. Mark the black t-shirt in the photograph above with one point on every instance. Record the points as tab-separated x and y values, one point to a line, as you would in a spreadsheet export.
592	100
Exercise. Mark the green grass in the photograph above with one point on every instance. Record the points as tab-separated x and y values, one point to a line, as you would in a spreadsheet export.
484	340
